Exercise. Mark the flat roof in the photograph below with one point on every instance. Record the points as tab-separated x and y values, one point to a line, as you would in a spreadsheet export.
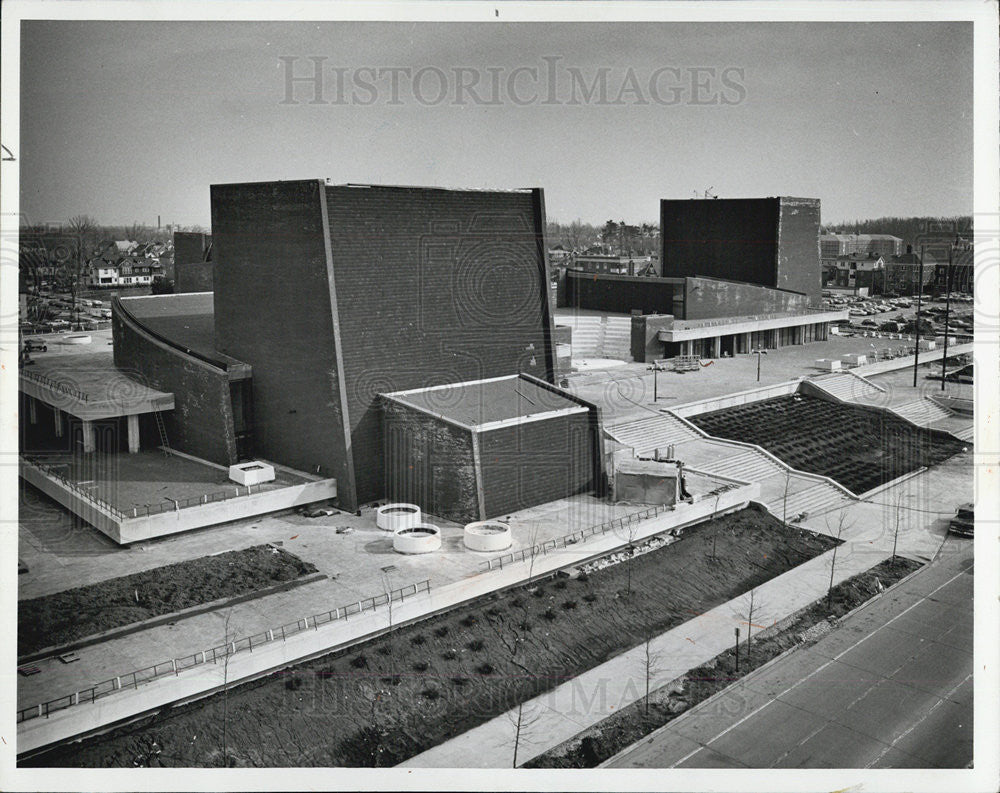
480	402
89	386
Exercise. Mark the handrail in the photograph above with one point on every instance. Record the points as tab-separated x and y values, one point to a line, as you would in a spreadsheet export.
175	666
54	384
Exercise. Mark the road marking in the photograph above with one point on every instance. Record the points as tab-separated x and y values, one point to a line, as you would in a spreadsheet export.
920	721
819	669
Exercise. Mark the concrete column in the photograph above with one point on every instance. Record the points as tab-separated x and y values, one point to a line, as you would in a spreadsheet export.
88	435
59	421
800	334
32	410
746	342
717	347
133	432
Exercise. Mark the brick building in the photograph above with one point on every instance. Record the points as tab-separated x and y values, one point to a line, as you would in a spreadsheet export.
327	297
771	242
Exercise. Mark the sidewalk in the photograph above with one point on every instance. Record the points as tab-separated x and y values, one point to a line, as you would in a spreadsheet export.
558	715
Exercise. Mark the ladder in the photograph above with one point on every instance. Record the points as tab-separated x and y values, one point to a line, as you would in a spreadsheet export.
164	443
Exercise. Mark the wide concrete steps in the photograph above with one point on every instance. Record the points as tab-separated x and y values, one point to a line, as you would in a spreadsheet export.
967	434
812	500
922	412
656	432
747	465
617	342
848	387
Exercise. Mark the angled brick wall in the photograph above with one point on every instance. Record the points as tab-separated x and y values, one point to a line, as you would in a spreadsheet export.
429	462
274	310
434	286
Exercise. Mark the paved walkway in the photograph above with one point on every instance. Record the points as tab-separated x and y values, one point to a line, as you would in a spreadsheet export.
891	688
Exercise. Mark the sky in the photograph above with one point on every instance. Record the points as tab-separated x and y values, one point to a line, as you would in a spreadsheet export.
129	121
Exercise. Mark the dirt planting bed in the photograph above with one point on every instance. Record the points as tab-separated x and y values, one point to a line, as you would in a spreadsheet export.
75	613
631	724
393	697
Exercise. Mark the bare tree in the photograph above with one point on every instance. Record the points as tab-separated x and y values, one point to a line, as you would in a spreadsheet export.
228	639
511	635
895	534
83	229
784	501
833	561
652	662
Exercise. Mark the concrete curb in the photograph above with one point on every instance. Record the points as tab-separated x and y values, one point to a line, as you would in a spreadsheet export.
174	616
767	664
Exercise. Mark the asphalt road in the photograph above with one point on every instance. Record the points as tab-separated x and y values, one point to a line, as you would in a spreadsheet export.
891	688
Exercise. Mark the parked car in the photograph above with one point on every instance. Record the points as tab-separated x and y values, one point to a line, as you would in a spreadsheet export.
35	345
964	521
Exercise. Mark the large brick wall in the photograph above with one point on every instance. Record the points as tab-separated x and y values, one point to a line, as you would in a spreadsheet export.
798	247
194	277
190	246
273	309
766	241
624	293
528	464
434	286
705	298
201	422
731	238
429	462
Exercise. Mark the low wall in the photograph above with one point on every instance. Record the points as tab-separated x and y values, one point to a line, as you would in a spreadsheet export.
124	530
147	527
739	398
103	520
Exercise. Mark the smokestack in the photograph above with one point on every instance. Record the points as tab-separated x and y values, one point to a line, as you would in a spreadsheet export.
157	222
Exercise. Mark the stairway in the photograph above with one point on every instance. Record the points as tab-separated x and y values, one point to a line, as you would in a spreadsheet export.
967	434
812	500
617	339
586	339
922	412
655	432
748	465
849	387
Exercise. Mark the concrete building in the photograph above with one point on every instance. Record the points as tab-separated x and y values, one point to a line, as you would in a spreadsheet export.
834	245
620	265
771	242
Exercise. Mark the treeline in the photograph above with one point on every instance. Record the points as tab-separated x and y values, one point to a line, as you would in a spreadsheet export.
614	237
910	230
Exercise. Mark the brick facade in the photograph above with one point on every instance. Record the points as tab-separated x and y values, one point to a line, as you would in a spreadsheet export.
201	422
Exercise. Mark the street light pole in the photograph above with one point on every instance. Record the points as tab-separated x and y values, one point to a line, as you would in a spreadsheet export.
920	294
947	312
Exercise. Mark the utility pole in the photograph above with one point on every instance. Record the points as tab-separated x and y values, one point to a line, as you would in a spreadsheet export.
920	294
947	309
737	650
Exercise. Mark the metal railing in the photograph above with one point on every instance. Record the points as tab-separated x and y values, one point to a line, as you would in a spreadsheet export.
55	385
541	549
212	655
172	504
169	505
50	470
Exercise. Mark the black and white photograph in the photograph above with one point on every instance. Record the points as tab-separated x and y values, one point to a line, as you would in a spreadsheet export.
500	396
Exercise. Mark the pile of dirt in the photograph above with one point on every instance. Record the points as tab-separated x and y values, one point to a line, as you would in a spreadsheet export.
75	613
632	723
388	699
